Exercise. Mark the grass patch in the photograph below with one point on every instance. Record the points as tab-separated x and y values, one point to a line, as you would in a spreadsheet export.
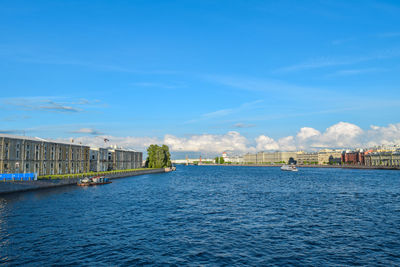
81	175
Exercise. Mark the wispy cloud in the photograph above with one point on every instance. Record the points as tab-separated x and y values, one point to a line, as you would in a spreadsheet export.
343	41
51	104
350	72
276	89
243	125
12	131
35	55
218	113
89	131
338	61
159	85
15	118
226	112
389	34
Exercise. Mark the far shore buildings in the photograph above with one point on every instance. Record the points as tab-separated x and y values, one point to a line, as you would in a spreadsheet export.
325	156
20	154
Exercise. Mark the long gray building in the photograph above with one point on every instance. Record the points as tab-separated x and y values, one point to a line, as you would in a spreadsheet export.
107	159
21	154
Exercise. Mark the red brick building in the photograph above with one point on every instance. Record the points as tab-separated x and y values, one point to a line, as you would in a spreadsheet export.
354	157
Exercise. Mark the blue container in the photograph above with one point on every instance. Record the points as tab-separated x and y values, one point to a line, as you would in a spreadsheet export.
18	176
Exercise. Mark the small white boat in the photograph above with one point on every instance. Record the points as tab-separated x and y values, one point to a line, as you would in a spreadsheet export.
291	168
97	180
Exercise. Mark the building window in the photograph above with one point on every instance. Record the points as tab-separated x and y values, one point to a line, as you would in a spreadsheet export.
17	154
27	155
5	166
6	151
36	152
27	167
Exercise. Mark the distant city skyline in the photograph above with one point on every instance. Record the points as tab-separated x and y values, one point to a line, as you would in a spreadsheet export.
202	76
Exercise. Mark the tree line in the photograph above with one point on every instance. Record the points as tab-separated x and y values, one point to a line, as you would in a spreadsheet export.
158	157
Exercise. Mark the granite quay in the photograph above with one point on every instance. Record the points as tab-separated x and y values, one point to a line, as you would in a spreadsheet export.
55	181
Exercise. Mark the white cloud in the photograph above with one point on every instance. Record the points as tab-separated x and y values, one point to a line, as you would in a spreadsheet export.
306	133
266	143
340	135
137	143
232	141
287	143
383	135
88	131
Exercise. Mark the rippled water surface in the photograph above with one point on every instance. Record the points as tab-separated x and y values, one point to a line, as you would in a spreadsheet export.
210	216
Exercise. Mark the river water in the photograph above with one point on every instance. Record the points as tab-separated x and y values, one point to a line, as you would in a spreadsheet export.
210	215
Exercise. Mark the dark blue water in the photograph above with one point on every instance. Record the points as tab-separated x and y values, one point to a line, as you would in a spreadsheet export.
210	216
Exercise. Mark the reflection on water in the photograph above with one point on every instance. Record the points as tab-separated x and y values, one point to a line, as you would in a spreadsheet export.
210	216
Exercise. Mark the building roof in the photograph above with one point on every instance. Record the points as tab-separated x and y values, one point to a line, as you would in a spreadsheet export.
37	139
11	136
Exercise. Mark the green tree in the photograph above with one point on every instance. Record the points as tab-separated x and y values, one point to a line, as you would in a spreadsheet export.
221	160
216	160
158	157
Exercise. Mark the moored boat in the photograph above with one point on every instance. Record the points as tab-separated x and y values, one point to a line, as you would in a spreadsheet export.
289	168
96	180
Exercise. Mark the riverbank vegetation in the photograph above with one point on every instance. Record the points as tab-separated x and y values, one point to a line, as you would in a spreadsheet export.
158	157
86	174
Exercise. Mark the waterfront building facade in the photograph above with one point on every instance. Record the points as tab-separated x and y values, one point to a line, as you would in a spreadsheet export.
124	159
391	159
329	156
277	157
250	158
307	158
20	154
352	158
100	160
109	159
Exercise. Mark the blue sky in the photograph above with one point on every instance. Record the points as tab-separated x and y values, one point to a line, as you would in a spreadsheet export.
183	68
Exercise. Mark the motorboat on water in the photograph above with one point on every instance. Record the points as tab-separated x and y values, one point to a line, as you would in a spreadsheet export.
96	180
291	168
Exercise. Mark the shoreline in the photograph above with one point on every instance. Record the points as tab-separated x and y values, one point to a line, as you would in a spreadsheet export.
9	187
359	167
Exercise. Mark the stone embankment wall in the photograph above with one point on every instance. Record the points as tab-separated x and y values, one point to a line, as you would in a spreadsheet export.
20	186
